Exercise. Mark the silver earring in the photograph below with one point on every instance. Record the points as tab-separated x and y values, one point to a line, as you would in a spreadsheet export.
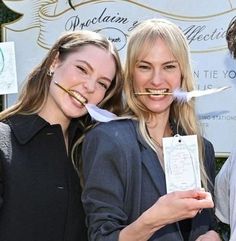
50	73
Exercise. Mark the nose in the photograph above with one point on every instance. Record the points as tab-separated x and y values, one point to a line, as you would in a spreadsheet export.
90	85
157	77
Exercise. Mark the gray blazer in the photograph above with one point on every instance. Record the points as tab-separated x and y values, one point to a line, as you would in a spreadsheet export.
123	178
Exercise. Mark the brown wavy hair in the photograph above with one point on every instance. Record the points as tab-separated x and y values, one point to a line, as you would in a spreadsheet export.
35	90
231	37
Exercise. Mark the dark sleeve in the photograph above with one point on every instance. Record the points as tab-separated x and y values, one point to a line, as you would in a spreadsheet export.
1	180
211	173
4	151
104	172
210	165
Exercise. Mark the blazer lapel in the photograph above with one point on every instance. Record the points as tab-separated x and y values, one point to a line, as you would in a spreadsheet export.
153	166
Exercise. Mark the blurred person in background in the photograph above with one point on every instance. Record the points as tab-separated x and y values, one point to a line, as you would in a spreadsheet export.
225	183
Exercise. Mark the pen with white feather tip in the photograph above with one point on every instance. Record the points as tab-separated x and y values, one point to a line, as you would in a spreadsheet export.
184	96
95	112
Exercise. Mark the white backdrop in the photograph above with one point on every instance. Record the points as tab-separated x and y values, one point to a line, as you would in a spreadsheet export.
203	22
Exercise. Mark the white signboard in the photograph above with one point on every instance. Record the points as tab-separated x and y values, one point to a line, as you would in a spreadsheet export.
8	80
203	22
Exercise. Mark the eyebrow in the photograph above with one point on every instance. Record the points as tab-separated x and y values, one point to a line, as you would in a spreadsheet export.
171	62
92	69
168	62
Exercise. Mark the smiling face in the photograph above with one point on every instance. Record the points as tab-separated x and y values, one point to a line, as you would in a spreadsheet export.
87	72
157	71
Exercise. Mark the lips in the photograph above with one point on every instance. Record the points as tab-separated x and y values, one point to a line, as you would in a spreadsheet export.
78	96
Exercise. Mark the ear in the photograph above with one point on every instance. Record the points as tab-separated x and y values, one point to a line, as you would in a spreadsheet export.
55	63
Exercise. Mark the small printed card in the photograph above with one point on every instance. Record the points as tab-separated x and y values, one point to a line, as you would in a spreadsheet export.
8	79
181	160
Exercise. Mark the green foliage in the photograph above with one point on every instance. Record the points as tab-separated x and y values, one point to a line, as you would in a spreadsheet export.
6	15
219	163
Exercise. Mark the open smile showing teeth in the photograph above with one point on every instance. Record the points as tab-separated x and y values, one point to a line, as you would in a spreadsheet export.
157	91
78	96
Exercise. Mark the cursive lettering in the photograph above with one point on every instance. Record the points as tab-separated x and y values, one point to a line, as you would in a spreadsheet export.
75	22
200	33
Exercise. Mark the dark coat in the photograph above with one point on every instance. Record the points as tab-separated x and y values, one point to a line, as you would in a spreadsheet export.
123	178
42	193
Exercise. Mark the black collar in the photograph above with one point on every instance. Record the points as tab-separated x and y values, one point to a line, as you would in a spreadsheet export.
25	127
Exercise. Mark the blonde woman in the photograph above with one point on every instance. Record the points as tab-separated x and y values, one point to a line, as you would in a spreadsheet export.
125	192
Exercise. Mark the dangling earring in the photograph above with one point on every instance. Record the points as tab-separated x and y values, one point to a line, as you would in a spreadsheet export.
50	73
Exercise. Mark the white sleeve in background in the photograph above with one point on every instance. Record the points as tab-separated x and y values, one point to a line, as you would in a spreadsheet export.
232	207
225	194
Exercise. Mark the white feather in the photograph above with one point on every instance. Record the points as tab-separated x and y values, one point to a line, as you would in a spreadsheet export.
183	96
102	115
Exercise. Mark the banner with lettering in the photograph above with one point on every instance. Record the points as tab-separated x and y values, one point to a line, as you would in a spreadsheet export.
203	22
